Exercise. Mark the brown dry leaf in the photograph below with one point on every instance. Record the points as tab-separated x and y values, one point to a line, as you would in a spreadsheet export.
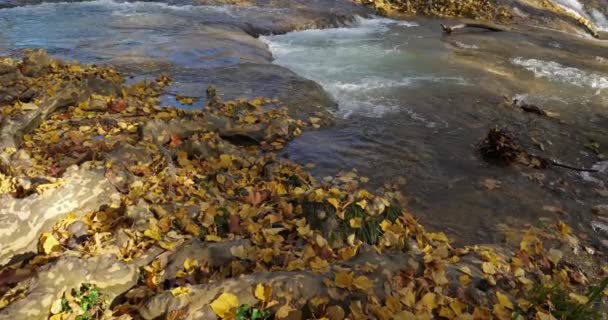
490	184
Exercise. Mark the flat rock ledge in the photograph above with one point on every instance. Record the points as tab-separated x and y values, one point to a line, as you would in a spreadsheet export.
23	220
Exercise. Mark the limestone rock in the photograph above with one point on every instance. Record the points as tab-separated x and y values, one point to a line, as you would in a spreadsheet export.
111	276
35	63
23	220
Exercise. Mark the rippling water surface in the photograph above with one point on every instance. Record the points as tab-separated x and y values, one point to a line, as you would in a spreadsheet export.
414	104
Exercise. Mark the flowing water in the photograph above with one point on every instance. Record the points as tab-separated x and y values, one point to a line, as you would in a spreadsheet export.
412	103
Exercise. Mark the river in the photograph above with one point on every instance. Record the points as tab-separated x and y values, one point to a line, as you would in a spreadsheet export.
412	102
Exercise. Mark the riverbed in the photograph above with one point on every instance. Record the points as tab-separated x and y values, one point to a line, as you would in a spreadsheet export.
410	103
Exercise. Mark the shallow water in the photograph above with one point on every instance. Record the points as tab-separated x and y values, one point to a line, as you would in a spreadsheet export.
412	103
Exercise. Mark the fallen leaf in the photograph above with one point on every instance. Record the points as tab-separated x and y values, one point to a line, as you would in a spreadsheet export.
363	283
263	292
283	311
334	202
580	299
180	291
488	268
503	300
343	279
225	305
49	243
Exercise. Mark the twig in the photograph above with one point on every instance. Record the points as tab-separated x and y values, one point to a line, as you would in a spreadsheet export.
557	164
450	29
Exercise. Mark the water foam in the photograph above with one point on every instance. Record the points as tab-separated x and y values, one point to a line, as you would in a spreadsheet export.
554	71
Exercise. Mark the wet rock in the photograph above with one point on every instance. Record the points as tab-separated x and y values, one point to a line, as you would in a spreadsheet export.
23	220
276	17
211	254
111	276
303	98
298	286
96	103
35	63
601	210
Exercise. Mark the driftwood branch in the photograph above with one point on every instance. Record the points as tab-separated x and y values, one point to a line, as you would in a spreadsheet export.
449	29
557	164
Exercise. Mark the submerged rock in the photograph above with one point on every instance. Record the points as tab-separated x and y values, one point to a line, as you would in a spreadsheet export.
601	210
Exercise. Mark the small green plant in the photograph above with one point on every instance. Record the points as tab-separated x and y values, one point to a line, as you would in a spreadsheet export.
247	312
87	298
556	300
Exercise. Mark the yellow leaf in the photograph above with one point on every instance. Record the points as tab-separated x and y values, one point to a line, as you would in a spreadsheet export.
49	244
152	234
343	280
220	178
190	264
464	279
318	265
503	300
408	297
466	270
544	316
280	189
385	225
580	299
429	301
440	236
488	268
457	307
334	202
213	238
249	119
283	311
405	315
362	204
363	283
225	161
180	291
348	252
225	305
304	231
263	292
355	223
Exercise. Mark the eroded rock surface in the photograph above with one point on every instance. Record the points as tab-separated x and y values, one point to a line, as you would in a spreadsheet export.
23	220
111	276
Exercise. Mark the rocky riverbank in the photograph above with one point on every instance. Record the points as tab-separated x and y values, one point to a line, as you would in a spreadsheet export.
113	207
568	16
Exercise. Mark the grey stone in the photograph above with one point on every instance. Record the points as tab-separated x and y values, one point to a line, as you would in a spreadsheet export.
23	220
601	210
